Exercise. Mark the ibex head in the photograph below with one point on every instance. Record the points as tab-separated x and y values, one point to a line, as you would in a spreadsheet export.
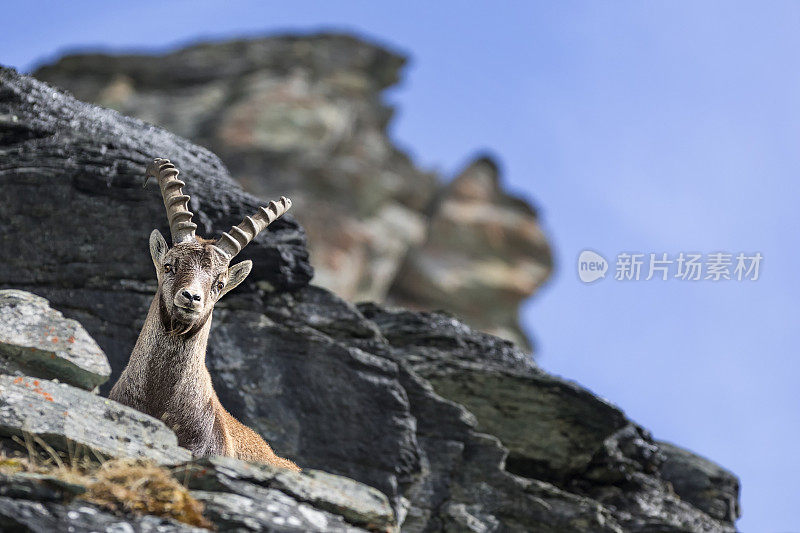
195	273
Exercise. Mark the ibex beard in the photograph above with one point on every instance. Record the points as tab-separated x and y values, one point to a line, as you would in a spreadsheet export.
166	376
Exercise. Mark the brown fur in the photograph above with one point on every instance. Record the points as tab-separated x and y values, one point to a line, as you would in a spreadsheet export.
166	376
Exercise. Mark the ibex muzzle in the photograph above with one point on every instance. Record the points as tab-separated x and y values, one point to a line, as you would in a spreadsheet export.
166	376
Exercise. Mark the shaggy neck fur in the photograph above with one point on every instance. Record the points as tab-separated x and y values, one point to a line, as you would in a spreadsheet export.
167	378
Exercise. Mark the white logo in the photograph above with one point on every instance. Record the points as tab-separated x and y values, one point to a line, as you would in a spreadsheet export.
591	266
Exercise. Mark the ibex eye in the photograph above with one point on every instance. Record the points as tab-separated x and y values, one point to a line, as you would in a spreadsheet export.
167	268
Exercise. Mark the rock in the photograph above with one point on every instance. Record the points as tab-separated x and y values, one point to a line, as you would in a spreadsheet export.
336	502
462	485
38	517
537	416
485	253
306	116
267	510
38	341
58	413
38	487
552	427
460	430
701	482
349	392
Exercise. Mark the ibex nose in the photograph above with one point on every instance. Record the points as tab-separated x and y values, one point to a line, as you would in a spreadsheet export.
190	297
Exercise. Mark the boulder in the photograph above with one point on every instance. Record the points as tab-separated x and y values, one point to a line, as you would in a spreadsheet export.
38	341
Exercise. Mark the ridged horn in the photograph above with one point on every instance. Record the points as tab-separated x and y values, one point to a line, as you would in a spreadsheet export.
176	203
231	243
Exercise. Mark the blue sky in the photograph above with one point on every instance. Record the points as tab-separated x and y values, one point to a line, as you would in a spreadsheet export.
650	127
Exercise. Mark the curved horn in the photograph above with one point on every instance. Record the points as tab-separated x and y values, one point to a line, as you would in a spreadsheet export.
240	236
176	203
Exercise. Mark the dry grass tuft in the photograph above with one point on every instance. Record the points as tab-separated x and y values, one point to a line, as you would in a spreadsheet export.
145	488
119	485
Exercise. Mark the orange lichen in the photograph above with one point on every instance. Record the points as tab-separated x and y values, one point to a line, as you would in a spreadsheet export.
71	339
54	339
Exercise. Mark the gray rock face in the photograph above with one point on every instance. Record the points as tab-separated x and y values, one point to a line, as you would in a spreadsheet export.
701	482
47	517
460	430
306	117
257	355
57	413
38	341
267	510
307	501
551	427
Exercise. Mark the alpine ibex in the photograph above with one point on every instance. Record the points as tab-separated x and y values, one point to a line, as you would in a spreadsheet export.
166	376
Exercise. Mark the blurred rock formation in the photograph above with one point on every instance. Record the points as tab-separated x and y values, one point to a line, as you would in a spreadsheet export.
305	117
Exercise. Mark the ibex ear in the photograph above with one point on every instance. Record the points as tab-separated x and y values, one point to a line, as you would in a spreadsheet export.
236	275
158	249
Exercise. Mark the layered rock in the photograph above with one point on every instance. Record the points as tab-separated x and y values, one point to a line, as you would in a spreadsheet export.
317	501
305	117
44	517
63	416
38	340
704	483
459	430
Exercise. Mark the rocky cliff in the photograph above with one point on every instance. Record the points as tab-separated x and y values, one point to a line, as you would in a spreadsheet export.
457	430
304	116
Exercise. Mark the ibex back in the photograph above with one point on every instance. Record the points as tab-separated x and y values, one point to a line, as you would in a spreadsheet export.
166	376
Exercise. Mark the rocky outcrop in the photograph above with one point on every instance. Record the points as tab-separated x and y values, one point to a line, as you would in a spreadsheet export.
37	340
703	483
459	430
484	254
305	117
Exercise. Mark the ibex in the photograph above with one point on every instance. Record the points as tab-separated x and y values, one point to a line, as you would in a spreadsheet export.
166	376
